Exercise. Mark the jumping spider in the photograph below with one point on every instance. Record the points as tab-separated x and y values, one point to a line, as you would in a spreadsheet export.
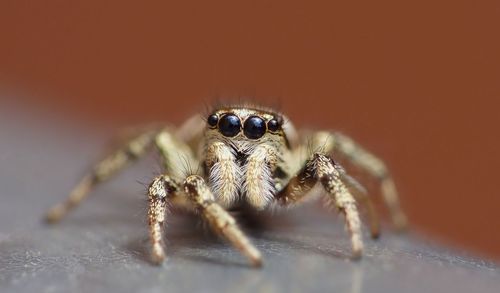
249	157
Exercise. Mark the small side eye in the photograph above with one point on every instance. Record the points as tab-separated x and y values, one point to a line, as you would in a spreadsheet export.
212	120
254	127
273	125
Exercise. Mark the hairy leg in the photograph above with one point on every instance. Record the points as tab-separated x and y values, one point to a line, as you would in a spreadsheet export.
164	191
219	219
320	167
361	196
115	162
352	151
161	190
193	192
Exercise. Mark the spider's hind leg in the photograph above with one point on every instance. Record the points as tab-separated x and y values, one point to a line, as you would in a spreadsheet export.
373	165
112	164
361	196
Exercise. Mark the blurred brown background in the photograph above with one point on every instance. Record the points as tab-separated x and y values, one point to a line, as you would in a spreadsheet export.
418	83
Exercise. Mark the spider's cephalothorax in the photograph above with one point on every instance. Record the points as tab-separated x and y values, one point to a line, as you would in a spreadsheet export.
248	157
243	148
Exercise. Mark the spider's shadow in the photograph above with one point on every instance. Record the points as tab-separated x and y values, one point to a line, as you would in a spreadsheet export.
188	237
191	239
308	245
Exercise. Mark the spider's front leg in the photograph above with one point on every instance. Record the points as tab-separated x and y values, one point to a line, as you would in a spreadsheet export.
164	189
161	190
320	167
359	156
219	219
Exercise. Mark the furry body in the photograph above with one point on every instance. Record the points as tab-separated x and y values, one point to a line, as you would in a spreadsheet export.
246	157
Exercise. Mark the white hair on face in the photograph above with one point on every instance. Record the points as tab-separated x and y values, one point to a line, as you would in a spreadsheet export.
225	181
225	173
242	166
258	185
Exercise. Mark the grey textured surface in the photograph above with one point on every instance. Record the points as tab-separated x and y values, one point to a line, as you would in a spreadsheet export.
102	246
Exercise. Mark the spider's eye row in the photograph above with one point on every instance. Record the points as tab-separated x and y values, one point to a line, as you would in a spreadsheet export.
254	127
229	125
273	125
212	120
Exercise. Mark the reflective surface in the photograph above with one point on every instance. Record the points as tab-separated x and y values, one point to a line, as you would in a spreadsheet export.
102	246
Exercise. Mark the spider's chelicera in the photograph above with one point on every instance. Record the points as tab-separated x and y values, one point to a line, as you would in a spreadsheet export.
249	158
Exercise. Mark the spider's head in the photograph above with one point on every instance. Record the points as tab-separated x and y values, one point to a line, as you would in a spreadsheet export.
243	127
244	147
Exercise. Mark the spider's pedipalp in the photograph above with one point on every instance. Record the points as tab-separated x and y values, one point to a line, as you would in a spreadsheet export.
224	173
258	185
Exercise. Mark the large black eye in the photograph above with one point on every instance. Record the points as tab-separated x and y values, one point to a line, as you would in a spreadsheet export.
229	125
254	127
212	120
